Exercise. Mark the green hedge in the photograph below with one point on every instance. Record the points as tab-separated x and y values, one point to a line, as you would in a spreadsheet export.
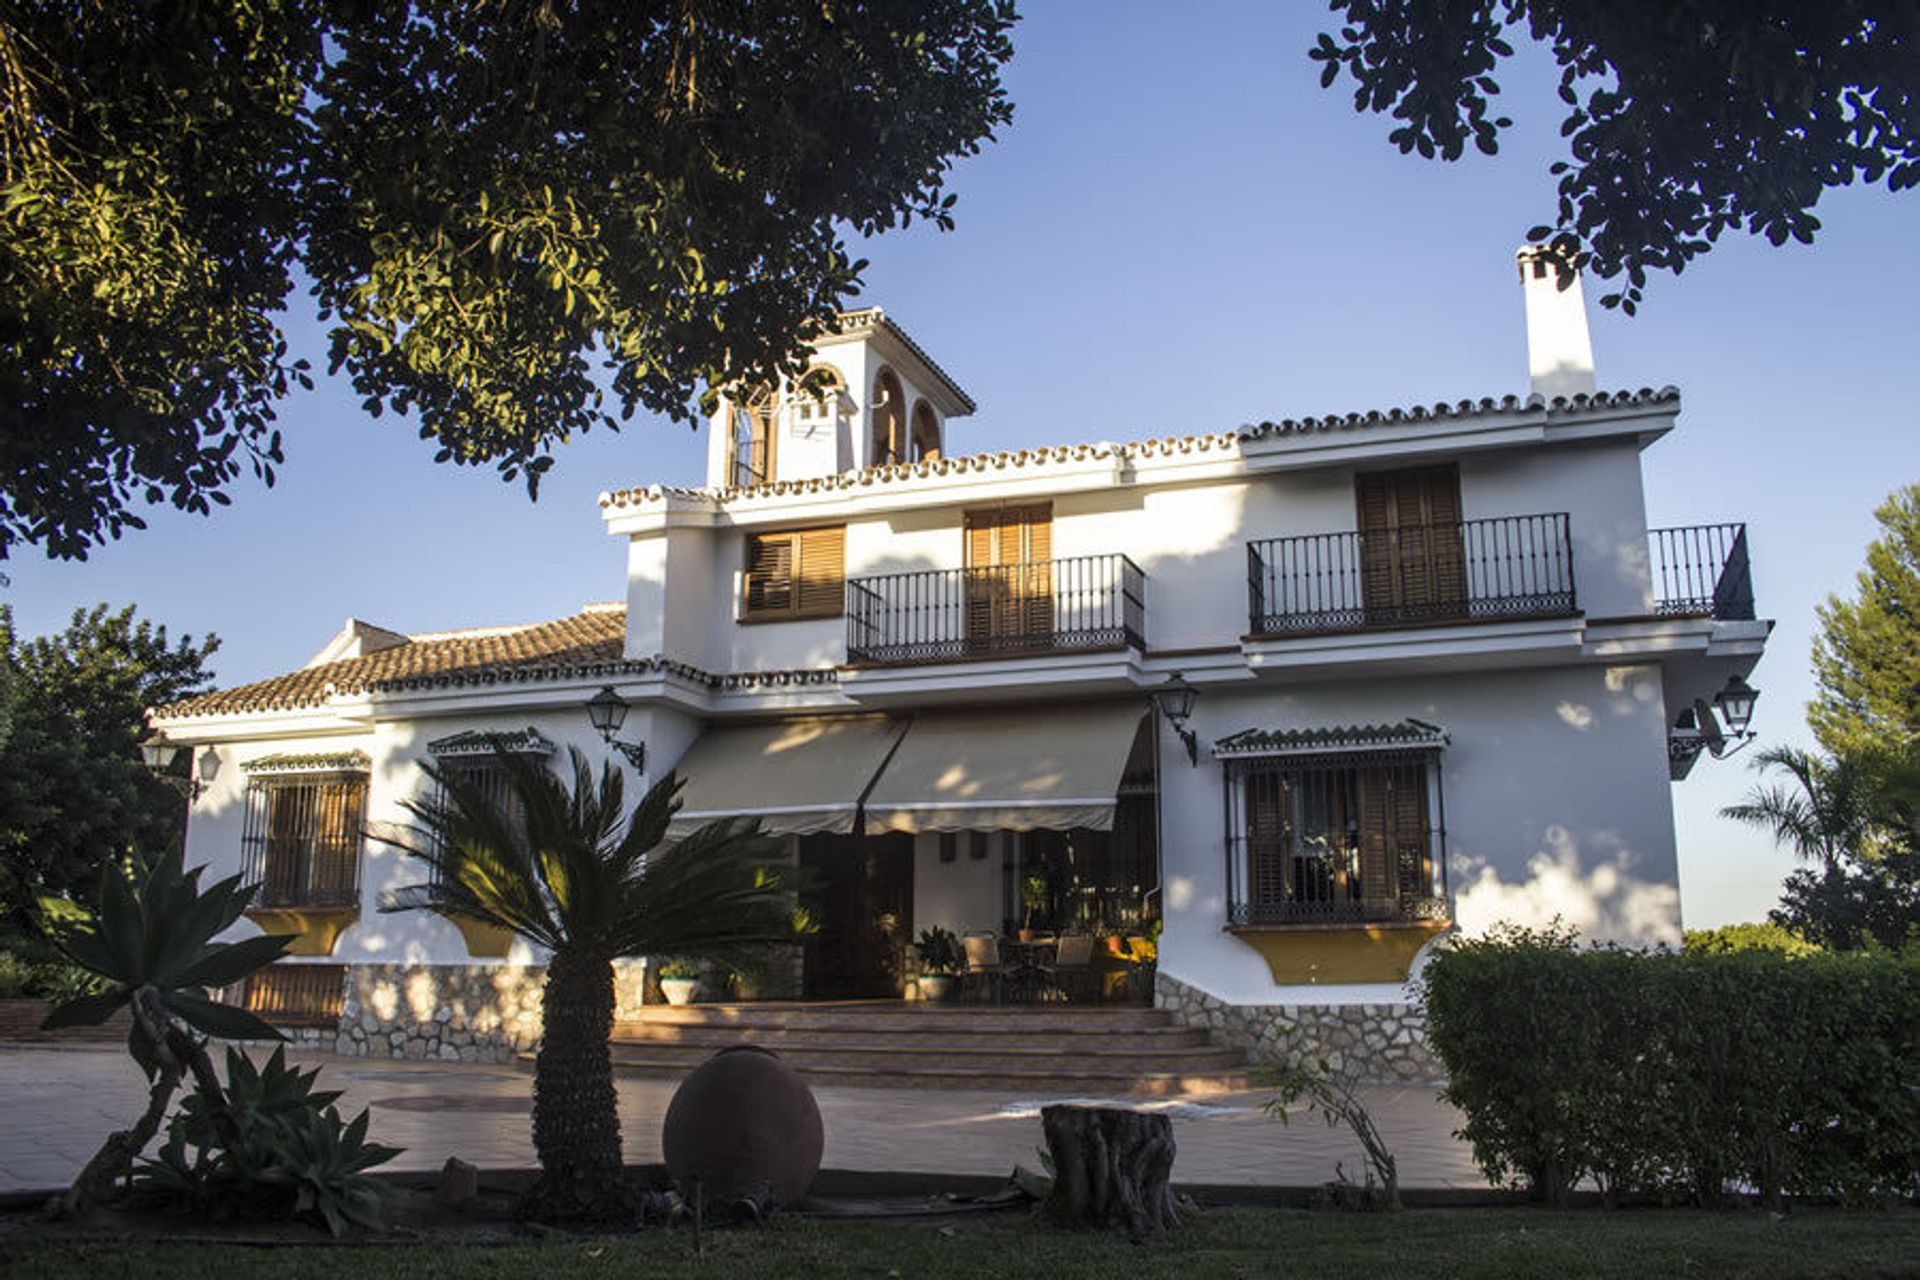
1686	1076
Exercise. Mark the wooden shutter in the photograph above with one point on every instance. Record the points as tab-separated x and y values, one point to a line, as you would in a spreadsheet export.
1034	587
823	557
1411	558
770	566
1375	836
1269	797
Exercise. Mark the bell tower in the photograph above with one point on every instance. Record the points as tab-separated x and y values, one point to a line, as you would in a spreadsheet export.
870	397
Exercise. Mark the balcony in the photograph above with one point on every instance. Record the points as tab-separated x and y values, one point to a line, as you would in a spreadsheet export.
1702	571
1468	571
1084	604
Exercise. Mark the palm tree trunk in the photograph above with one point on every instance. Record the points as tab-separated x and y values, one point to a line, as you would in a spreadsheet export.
576	1120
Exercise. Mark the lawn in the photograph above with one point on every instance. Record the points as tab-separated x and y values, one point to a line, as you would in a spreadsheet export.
1222	1244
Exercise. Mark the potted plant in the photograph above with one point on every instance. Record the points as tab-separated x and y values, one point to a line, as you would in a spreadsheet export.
939	952
1033	897
678	978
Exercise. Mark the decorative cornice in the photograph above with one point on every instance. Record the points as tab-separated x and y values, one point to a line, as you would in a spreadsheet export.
311	762
480	742
867	319
1557	406
1224	443
1409	734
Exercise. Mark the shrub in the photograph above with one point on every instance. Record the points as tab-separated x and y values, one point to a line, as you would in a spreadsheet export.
277	1148
1685	1076
1766	936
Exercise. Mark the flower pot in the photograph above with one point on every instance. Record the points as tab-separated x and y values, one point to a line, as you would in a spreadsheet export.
936	987
678	991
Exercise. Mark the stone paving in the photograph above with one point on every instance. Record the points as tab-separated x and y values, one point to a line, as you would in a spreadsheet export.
58	1103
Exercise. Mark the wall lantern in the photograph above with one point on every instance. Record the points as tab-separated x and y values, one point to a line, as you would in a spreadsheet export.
1732	707
1735	705
607	711
159	752
1174	701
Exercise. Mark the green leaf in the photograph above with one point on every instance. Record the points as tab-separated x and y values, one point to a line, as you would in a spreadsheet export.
221	1020
86	1011
230	962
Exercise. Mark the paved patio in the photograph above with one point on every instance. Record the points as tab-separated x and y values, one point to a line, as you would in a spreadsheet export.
58	1103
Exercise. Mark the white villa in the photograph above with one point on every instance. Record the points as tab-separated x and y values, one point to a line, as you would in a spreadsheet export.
1296	698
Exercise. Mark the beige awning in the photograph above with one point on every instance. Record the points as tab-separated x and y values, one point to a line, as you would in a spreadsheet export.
797	776
1018	770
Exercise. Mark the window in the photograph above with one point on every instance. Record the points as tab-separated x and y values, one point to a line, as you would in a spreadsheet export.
926	433
294	995
887	443
1334	838
473	757
1009	578
797	574
300	838
819	398
754	433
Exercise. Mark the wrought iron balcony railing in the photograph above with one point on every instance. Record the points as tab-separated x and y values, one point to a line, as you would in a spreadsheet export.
1702	570
1089	602
1510	566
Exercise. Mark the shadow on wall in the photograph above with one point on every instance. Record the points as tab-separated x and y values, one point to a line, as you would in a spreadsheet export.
1592	889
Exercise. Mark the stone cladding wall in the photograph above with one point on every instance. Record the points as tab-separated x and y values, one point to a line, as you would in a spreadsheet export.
450	1013
1376	1043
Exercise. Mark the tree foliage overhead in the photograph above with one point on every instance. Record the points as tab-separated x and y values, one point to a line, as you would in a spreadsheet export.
1866	657
74	793
492	201
1684	120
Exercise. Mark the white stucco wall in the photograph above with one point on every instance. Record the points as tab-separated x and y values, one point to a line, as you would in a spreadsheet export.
1556	804
396	750
1190	539
962	895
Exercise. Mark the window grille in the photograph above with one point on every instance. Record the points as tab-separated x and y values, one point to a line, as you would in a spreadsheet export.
300	839
1341	837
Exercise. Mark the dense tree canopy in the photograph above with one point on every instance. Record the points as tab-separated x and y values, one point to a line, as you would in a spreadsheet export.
490	200
1866	657
1684	119
74	793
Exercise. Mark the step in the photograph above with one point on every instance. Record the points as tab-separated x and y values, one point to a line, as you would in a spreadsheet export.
957	1058
784	1038
894	1015
1081	1081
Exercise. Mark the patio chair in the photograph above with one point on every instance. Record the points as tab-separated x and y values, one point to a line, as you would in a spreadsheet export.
984	966
1072	975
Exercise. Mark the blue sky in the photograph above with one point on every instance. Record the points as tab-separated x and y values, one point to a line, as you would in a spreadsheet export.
1180	232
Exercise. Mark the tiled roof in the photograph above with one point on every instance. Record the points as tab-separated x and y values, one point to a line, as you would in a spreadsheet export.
1220	442
1408	734
866	318
587	639
587	644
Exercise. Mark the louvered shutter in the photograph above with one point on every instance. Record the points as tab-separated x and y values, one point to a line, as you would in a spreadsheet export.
1375	836
823	554
1035	618
770	573
1268	799
1412	845
1448	551
982	575
1378	587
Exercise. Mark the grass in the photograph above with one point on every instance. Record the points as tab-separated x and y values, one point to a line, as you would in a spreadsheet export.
1221	1245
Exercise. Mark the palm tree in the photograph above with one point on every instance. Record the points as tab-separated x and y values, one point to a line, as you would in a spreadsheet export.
567	869
1826	814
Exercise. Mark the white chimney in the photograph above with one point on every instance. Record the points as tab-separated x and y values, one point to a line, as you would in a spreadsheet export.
1559	352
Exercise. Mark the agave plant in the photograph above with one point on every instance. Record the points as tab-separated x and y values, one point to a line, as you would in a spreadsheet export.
566	868
151	940
277	1147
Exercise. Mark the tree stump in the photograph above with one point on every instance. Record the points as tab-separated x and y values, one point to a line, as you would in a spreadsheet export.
1111	1168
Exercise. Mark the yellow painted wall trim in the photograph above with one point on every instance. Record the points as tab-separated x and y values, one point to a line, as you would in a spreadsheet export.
1372	953
484	941
317	929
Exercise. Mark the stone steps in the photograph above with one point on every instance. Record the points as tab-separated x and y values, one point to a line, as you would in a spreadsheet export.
1052	1049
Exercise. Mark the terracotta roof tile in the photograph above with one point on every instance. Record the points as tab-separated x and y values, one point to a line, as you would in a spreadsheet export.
588	639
